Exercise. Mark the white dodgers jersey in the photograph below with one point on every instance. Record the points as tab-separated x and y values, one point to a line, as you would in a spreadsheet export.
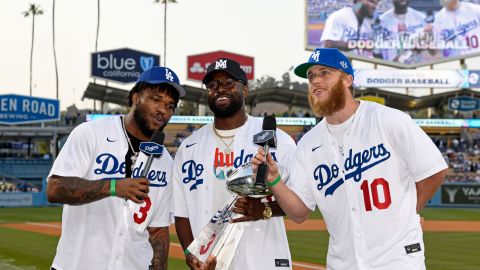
367	193
397	33
264	243
459	29
339	28
95	235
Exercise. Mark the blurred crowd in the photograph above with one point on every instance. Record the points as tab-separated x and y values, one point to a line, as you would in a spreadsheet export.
461	153
462	156
19	186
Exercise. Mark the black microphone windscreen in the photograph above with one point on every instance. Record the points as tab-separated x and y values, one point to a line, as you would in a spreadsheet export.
269	123
158	137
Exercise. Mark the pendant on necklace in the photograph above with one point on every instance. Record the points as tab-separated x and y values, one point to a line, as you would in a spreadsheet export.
133	158
227	150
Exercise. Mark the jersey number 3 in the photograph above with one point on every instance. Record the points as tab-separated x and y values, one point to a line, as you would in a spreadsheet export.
374	189
139	219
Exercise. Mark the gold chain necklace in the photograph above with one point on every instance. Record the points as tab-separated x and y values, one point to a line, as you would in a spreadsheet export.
220	136
227	145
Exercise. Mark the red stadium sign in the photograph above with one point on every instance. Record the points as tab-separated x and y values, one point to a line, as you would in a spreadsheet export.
197	64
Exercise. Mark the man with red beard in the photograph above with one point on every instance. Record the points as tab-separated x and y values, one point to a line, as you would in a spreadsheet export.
201	167
368	168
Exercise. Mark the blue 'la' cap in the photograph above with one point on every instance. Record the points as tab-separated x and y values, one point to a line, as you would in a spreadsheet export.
330	57
158	75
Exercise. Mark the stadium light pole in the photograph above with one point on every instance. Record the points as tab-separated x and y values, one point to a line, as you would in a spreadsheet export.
165	2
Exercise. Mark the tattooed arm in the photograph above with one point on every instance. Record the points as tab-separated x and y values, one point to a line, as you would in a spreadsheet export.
78	191
160	240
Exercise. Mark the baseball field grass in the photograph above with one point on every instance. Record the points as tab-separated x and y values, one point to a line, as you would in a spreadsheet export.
20	250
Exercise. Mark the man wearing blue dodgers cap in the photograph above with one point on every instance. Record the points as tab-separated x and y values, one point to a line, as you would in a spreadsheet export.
113	218
368	168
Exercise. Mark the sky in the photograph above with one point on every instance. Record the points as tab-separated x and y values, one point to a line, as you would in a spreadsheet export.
272	31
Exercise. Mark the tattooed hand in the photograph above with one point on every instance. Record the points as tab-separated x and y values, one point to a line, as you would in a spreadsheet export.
77	191
134	189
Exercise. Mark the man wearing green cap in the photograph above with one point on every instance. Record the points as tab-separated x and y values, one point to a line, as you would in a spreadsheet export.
368	168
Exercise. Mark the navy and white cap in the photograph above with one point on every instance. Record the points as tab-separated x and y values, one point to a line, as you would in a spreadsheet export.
329	57
160	75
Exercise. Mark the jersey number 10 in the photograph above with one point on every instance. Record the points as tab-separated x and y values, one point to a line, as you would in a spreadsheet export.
374	189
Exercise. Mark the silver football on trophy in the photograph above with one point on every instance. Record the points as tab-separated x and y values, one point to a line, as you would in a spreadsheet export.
242	182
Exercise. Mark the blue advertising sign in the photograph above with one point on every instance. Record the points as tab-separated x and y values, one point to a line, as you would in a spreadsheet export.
474	79
185	119
449	123
18	109
464	103
122	65
151	148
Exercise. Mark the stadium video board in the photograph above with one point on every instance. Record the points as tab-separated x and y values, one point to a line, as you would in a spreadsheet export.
399	33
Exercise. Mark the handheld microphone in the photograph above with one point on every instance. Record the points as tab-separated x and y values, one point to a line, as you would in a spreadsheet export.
430	18
267	139
153	149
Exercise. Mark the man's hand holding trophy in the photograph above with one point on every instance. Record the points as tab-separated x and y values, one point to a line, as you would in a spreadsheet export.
250	203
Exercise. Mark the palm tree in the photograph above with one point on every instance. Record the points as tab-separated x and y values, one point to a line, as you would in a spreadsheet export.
165	28
33	10
54	50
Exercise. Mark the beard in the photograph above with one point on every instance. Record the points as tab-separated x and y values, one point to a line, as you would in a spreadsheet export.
236	102
366	12
139	116
334	102
446	2
401	6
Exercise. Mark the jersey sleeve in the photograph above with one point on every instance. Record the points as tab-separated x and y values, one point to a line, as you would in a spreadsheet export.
179	202
299	181
415	147
439	24
332	29
77	153
476	9
163	201
163	204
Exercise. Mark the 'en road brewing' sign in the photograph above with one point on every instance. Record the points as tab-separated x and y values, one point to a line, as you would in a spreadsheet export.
18	109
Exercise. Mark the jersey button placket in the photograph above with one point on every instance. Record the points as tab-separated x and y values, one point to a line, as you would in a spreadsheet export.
359	243
350	187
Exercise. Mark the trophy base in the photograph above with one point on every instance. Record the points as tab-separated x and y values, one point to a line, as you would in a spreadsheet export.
242	182
247	190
